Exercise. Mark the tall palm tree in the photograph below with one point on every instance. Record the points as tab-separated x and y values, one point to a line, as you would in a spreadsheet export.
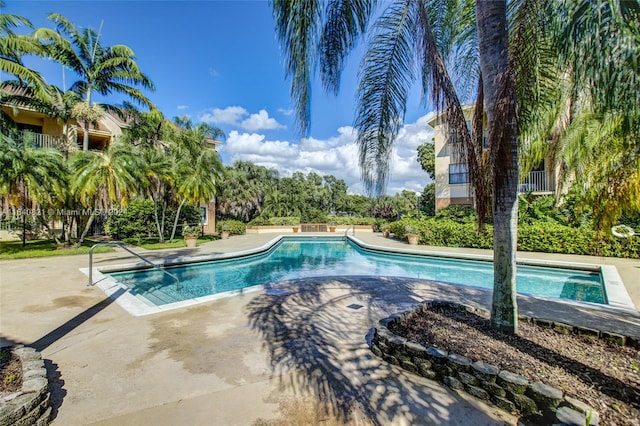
199	169
102	179
100	69
31	177
403	35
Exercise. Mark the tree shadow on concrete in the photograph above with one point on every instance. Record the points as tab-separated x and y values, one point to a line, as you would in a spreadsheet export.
315	333
70	325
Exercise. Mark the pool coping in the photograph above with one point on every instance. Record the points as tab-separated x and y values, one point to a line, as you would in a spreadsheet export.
616	294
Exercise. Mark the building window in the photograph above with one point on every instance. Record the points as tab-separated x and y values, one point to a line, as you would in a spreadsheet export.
458	174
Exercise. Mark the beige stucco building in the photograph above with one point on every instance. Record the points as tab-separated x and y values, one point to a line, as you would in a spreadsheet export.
452	177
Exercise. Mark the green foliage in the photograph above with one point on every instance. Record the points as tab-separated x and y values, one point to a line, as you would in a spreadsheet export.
138	221
457	213
345	220
276	221
234	227
427	158
428	200
190	230
540	236
44	248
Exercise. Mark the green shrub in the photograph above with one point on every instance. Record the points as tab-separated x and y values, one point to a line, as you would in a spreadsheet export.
285	221
234	227
540	236
137	220
347	220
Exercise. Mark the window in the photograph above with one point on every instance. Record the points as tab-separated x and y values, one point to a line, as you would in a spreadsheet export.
458	173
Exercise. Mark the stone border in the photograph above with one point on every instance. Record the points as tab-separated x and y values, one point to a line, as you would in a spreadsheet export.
505	389
32	404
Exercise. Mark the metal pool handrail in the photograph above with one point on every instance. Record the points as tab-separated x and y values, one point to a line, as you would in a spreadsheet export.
353	227
122	246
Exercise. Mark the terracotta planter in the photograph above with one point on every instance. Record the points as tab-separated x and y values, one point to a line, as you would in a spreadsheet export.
413	239
332	229
295	228
386	233
191	242
224	235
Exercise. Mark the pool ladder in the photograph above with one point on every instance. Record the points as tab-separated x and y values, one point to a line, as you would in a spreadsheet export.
122	246
353	230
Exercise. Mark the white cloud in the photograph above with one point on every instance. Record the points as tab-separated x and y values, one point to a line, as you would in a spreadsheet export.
213	72
239	117
286	112
337	156
259	121
182	107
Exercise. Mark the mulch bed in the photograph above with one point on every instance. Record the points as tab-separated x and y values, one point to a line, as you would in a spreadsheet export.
10	372
601	373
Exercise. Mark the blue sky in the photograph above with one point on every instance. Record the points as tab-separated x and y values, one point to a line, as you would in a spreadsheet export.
219	62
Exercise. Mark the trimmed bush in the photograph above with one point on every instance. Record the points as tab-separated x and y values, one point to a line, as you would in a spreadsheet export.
232	226
540	236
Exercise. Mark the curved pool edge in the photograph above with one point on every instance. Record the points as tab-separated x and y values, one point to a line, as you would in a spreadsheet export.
616	296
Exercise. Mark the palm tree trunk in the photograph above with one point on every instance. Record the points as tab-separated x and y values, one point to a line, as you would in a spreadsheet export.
85	138
499	94
86	230
175	222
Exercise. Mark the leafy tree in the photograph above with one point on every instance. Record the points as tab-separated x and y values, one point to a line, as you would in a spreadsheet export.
30	176
427	158
428	200
199	171
102	179
100	69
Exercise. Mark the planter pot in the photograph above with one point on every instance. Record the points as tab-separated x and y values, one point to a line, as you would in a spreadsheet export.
386	233
224	235
296	228
191	242
413	239
332	229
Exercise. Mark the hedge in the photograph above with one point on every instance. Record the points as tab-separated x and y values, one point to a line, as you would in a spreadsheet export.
235	227
546	237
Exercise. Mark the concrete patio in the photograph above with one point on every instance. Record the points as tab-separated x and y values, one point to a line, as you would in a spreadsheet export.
232	361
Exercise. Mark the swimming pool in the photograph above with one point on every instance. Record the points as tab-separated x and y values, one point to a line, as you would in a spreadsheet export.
304	257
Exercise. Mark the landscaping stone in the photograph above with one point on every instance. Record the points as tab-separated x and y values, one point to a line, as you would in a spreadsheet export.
569	417
437	354
459	362
512	382
424	365
443	370
504	404
376	350
525	405
546	397
582	407
415	349
409	366
485	372
477	392
468	379
494	389
390	359
452	382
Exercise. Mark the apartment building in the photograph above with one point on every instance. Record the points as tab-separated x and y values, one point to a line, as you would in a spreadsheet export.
452	176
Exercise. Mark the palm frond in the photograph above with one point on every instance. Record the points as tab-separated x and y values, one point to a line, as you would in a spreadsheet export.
386	73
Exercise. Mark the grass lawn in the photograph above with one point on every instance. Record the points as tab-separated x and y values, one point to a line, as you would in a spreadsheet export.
153	244
43	248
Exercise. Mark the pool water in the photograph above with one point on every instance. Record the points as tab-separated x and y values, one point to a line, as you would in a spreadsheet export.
321	257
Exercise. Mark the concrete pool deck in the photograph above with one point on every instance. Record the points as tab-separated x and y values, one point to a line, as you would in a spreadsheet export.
232	361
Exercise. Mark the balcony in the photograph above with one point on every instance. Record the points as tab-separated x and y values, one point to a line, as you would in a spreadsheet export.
40	140
537	182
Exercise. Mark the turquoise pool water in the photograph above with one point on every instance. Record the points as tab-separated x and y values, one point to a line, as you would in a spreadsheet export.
293	258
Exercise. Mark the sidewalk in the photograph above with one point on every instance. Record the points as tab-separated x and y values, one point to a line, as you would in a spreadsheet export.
231	361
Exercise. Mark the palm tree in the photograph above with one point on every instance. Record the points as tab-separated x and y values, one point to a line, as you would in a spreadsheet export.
32	177
402	35
14	46
102	179
199	170
100	69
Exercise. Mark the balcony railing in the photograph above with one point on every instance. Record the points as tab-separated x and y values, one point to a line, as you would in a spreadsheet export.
40	140
538	181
